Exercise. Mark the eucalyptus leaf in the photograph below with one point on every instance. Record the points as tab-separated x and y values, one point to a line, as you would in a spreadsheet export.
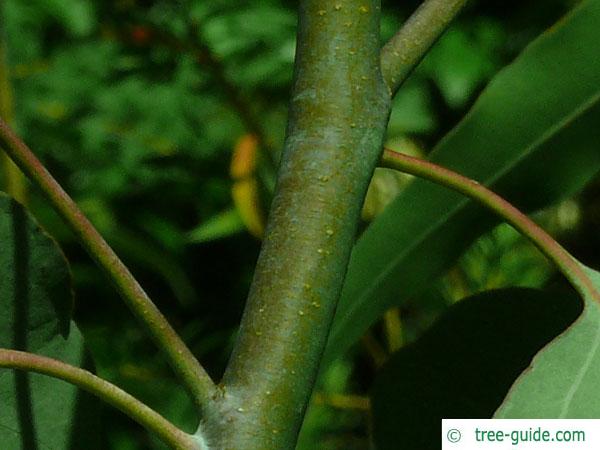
464	365
532	136
562	380
38	412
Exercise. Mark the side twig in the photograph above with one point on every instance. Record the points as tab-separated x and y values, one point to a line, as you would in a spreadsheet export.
111	394
410	44
180	357
569	267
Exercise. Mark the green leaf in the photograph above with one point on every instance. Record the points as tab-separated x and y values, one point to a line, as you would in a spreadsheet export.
219	226
562	380
35	309
412	110
464	365
532	137
464	58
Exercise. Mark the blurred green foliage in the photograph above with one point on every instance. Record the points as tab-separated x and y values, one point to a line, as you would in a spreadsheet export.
136	107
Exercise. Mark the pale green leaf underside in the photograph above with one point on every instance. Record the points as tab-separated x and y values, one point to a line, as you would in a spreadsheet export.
562	381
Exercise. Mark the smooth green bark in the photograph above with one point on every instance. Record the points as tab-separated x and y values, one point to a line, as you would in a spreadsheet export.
338	115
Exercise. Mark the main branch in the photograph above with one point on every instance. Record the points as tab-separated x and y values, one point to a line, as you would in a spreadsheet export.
338	114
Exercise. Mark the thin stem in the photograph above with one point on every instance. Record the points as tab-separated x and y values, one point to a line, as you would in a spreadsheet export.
15	183
108	392
568	265
180	357
410	44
